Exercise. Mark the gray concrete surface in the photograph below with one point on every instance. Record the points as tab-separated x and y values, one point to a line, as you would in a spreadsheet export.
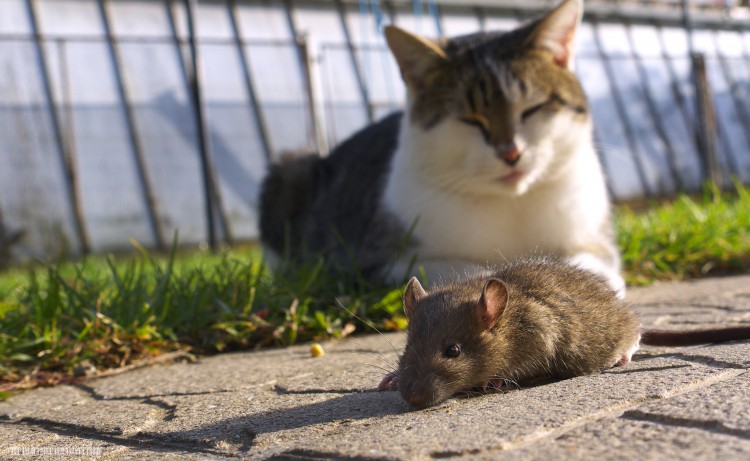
686	403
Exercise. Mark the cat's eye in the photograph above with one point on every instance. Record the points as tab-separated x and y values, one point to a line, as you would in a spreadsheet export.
557	100
478	121
532	110
453	351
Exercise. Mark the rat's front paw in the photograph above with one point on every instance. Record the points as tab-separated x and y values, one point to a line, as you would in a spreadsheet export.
498	384
389	382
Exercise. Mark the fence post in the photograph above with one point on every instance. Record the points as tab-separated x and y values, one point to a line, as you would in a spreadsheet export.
260	121
619	104
312	98
317	125
705	118
706	122
651	105
67	156
361	83
152	207
212	197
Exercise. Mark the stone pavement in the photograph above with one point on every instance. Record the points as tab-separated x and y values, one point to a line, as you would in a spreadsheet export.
687	403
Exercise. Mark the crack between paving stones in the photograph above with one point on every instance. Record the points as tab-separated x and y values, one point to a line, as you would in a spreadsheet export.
541	434
453	454
620	409
711	425
620	371
167	408
96	396
302	454
696	358
722	307
138	438
282	390
139	441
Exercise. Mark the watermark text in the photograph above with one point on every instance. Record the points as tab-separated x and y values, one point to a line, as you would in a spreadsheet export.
76	450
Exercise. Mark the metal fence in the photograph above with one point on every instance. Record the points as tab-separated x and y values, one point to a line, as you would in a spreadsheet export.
135	119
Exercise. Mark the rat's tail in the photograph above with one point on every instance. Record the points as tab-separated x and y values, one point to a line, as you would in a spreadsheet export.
694	337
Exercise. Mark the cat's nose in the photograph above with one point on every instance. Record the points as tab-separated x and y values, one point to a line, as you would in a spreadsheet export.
509	153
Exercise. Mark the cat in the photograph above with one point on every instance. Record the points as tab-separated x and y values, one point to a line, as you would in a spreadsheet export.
493	159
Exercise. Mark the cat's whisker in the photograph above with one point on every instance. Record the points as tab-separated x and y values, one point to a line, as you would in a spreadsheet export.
613	151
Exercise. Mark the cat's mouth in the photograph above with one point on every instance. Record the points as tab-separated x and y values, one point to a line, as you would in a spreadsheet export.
512	178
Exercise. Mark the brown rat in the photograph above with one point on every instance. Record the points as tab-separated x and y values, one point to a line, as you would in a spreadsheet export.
534	318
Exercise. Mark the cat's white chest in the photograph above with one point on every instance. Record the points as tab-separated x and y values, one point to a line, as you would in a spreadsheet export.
454	231
477	229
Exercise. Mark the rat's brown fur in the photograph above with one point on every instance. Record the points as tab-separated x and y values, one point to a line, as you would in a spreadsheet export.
559	321
535	318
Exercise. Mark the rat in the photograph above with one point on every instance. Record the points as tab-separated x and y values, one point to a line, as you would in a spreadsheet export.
534	318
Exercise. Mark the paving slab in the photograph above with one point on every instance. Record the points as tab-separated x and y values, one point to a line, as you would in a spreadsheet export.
669	403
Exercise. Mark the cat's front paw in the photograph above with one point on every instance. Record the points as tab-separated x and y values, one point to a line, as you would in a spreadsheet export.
598	266
389	382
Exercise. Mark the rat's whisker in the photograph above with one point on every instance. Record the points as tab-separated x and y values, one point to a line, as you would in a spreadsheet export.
372	365
367	323
379	356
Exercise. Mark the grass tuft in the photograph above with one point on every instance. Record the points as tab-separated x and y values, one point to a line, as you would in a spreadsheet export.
687	238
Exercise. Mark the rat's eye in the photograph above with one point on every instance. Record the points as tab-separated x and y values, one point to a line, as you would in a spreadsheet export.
453	351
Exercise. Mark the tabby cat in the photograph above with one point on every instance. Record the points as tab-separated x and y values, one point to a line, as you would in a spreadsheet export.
493	159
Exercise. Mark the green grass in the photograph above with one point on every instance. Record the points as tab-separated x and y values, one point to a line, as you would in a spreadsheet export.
104	312
686	238
108	313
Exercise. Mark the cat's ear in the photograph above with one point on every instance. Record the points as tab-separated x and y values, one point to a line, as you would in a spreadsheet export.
556	31
413	293
417	57
492	304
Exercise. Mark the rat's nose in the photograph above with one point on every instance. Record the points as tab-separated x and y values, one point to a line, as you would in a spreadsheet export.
508	152
417	395
418	401
424	392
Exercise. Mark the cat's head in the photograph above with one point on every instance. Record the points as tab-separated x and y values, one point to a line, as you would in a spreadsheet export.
493	113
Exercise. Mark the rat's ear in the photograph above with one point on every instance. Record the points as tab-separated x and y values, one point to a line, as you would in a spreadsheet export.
417	57
413	293
492	303
556	31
